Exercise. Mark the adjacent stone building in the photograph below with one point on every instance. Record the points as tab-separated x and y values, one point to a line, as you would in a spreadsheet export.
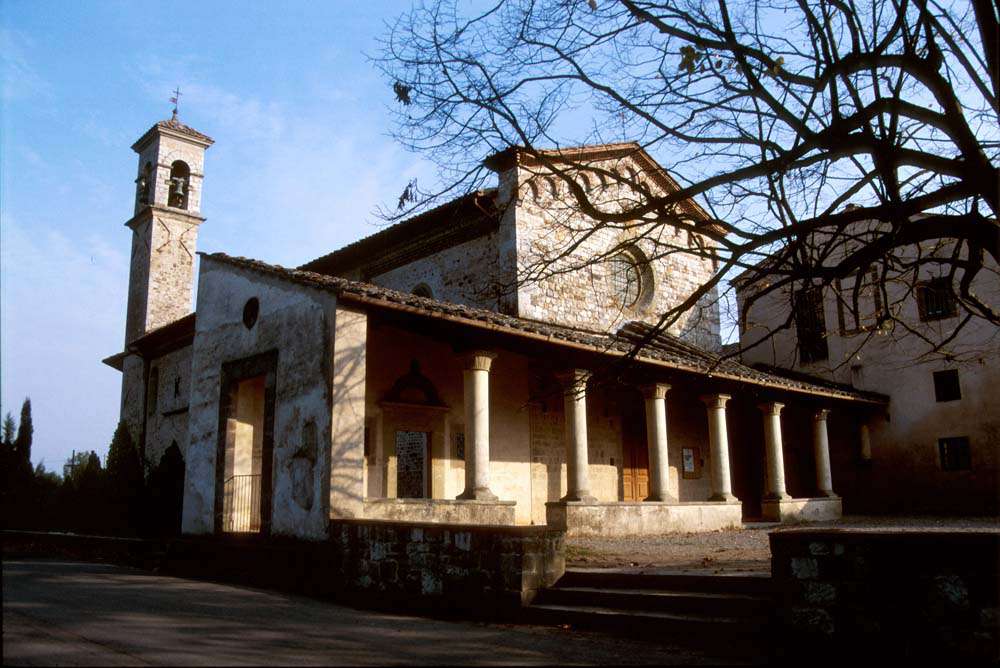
936	447
431	372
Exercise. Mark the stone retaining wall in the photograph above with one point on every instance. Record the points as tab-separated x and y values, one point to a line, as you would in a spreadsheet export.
479	570
889	593
640	518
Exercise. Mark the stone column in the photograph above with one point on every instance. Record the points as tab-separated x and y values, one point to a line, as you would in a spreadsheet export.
718	438
577	466
656	438
821	451
866	443
775	456
477	426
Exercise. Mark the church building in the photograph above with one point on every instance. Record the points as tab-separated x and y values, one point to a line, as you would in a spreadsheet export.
424	373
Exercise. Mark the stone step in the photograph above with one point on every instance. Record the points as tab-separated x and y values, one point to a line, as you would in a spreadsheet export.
656	600
722	583
724	635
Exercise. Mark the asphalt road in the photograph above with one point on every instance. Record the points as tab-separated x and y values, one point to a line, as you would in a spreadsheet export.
76	614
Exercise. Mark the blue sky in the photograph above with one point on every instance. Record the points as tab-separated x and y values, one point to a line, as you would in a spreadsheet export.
302	157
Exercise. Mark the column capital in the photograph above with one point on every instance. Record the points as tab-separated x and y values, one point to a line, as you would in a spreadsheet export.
479	360
820	415
715	400
572	380
654	390
771	407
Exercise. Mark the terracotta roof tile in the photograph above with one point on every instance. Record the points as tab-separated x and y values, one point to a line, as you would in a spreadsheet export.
661	347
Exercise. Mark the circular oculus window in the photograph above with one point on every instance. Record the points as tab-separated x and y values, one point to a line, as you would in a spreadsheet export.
624	280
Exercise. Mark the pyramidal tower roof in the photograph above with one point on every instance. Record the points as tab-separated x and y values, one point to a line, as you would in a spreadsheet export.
174	126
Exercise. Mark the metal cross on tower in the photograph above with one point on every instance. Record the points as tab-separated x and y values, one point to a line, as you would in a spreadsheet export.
175	99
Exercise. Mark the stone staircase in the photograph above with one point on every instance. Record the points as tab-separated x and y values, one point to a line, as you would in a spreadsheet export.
728	614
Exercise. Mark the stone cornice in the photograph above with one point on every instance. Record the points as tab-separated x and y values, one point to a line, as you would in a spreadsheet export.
146	213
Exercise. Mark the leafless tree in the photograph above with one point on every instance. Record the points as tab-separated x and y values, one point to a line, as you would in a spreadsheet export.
794	124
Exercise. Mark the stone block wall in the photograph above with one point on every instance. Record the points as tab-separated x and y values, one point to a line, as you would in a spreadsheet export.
575	289
167	421
474	569
468	273
904	594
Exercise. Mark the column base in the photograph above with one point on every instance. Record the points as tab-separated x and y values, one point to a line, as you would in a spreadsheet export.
828	494
659	498
815	509
777	497
728	498
477	494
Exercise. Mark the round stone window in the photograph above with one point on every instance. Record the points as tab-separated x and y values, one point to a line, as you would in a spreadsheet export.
624	280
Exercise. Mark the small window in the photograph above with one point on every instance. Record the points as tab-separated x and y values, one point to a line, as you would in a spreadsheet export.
460	445
810	324
250	312
946	387
859	316
936	300
955	454
152	391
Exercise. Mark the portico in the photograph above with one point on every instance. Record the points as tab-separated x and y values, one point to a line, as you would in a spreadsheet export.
441	413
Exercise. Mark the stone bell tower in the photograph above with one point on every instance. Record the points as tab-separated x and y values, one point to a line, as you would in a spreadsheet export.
164	227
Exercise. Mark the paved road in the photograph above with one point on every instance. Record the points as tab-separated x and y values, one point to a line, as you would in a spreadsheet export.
77	614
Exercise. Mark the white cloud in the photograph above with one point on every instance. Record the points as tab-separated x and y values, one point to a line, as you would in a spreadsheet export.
20	79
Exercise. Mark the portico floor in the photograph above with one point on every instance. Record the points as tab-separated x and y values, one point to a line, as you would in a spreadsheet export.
744	550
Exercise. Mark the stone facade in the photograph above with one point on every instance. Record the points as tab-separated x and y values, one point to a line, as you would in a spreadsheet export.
507	269
297	325
577	290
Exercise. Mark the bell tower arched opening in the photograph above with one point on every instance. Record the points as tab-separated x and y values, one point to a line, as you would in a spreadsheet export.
180	183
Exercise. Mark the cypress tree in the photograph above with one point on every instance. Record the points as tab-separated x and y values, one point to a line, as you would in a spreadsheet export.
124	475
9	429
22	443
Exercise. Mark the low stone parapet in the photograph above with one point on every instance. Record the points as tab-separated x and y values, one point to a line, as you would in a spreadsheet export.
815	509
476	569
645	518
441	511
894	594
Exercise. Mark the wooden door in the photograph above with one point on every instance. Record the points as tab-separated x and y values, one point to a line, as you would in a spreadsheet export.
635	452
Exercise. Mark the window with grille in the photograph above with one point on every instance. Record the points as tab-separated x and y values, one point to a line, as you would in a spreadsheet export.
810	325
955	453
946	387
935	299
624	280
